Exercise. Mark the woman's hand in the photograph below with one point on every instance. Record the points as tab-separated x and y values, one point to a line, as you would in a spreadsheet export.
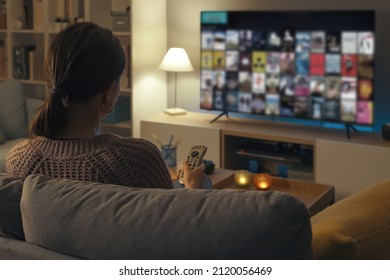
194	178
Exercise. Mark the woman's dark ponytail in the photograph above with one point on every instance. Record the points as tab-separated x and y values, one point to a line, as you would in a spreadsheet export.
83	61
50	117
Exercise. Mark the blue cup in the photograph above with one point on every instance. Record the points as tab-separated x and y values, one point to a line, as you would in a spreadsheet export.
169	154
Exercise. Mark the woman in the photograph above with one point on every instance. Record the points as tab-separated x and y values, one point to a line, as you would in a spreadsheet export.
82	70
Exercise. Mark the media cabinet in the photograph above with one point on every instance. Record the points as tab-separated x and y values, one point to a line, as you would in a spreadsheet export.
329	157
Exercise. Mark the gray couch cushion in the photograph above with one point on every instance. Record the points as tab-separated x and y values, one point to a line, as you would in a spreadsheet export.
13	118
10	217
97	221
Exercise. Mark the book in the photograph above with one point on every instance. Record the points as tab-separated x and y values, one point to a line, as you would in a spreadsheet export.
38	14
3	66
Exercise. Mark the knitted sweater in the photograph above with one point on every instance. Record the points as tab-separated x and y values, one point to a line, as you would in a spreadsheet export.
106	158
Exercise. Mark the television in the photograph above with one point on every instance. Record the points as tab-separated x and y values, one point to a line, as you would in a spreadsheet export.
316	65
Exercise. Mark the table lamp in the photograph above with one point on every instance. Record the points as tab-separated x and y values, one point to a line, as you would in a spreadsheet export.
176	60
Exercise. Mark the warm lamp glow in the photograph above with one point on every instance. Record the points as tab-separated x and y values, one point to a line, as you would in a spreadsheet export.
242	178
262	181
176	60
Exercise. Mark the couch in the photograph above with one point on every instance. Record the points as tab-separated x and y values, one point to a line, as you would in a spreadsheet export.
46	218
15	112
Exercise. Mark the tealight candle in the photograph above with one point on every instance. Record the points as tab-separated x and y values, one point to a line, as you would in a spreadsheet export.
262	181
242	178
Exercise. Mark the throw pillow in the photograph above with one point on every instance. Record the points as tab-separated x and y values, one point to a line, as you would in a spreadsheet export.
13	119
10	217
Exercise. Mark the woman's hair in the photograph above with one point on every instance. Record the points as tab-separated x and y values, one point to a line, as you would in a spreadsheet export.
83	61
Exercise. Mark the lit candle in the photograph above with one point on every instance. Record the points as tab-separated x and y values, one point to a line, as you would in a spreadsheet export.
262	181
242	178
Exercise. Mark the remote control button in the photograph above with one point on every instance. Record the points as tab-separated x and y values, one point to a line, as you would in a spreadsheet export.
194	153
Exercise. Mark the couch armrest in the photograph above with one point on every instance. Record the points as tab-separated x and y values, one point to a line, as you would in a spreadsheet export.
357	227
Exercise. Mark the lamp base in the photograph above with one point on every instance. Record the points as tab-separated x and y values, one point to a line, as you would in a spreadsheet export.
175	111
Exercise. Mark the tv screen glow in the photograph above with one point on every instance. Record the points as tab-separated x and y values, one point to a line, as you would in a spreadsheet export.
314	64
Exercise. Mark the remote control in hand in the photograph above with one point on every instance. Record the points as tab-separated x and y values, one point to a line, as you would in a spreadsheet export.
194	158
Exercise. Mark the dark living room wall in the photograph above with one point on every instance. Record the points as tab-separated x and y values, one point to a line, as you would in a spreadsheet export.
183	21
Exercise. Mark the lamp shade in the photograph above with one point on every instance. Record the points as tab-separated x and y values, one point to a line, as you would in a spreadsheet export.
176	60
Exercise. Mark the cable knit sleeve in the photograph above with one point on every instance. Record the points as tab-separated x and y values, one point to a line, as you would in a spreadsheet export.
142	164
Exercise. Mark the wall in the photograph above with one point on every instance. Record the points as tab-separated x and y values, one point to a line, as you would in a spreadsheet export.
149	44
184	31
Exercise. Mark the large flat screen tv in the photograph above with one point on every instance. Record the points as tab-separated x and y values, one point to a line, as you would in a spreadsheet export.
311	64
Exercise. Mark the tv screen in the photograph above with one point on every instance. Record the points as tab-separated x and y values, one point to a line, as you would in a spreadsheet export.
314	64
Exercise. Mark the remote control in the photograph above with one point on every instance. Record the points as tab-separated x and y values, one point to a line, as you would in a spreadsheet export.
194	158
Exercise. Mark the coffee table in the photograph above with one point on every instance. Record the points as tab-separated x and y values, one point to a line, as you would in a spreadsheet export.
315	196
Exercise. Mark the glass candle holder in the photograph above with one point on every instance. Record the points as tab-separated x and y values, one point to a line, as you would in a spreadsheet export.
242	178
262	181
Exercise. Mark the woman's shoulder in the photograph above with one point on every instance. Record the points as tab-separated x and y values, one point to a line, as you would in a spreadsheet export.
130	142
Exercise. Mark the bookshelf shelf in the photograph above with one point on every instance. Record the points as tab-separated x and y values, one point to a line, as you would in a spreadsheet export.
40	26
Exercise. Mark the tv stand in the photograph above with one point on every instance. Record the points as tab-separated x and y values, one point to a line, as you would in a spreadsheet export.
220	115
348	164
348	126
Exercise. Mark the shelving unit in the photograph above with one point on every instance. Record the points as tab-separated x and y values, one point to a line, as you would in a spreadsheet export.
45	26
